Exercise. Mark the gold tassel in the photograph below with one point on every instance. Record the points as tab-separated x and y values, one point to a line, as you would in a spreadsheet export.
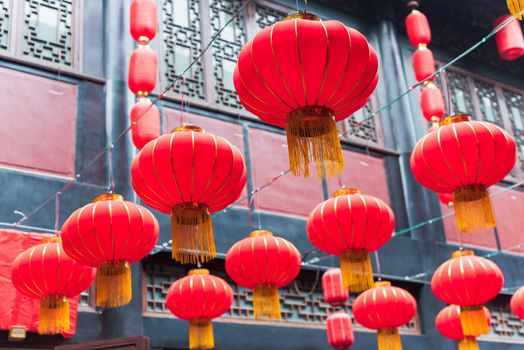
515	6
389	339
201	334
474	321
113	284
312	135
473	209
266	302
192	234
357	272
468	344
54	315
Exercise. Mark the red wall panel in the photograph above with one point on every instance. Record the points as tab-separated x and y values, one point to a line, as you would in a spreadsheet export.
38	118
509	210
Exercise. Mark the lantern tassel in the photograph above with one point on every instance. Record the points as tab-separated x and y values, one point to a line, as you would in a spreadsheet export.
54	315
474	321
515	6
468	344
192	234
312	135
389	339
473	209
357	272
113	284
201	334
266	302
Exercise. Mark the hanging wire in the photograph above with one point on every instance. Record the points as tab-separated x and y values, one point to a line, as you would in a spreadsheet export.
111	175
57	211
377	261
250	209
305	5
449	101
313	287
182	100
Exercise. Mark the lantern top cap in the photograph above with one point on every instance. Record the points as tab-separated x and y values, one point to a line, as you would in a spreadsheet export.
462	252
302	15
382	284
108	197
261	233
198	272
188	128
346	191
52	239
457	118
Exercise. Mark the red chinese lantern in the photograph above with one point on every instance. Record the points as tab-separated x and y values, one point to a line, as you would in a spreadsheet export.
423	64
351	225
111	234
143	21
145	122
510	41
385	308
517	303
468	281
142	71
263	263
199	298
516	7
303	74
449	325
189	174
418	29
47	273
446	198
334	292
340	331
465	157
432	103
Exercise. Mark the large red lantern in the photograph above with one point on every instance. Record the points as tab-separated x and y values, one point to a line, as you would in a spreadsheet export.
351	225
199	298
449	325
304	74
468	281
335	293
47	273
423	64
516	7
143	20
510	41
340	331
189	174
465	157
385	308
517	303
142	71
418	29
145	122
263	263
432	103
111	234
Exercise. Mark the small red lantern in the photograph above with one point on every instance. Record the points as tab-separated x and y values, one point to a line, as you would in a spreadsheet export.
465	157
351	225
432	103
145	122
448	324
468	281
385	308
111	234
446	198
199	298
517	303
423	64
510	41
142	71
516	7
263	263
143	20
334	292
189	174
340	331
47	273
418	29
305	74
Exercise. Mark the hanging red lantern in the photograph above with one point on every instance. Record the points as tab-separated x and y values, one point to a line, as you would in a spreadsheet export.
465	157
516	7
517	303
111	234
334	292
143	20
449	325
189	174
468	281
303	74
340	331
263	263
145	122
351	225
418	29
47	273
142	71
199	298
446	198
510	41
432	103
385	308
423	64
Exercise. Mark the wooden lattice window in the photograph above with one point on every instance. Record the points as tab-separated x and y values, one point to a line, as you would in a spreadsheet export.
505	325
5	20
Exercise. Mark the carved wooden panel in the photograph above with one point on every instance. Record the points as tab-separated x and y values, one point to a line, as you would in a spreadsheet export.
515	107
488	104
266	16
355	127
461	95
5	22
505	325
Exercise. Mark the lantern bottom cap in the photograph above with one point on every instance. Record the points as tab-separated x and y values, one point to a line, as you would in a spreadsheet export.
201	334
266	302
357	271
113	284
